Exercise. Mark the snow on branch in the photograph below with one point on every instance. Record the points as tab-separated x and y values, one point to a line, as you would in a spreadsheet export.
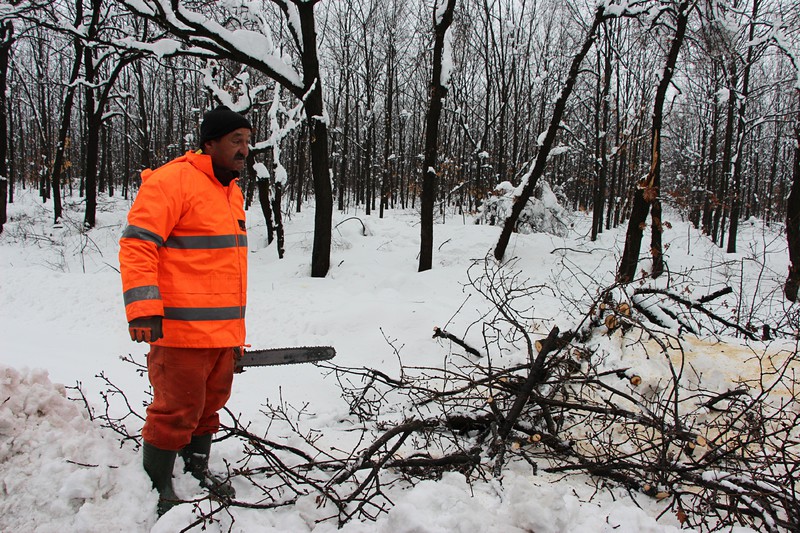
778	34
203	35
246	95
624	8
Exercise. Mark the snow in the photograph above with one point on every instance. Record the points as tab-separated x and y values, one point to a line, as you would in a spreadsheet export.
45	440
439	10
251	43
447	60
293	20
261	171
62	323
160	48
542	213
614	9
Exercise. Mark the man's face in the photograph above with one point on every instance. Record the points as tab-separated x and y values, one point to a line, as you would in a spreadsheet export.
229	151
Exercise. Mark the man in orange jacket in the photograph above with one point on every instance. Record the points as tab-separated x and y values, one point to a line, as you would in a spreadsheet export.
183	259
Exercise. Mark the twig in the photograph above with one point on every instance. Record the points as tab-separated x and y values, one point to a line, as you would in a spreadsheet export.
440	333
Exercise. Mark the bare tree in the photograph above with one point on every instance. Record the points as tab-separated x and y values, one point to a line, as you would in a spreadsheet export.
503	109
792	283
207	37
537	168
66	115
101	74
6	40
646	196
738	162
442	18
601	119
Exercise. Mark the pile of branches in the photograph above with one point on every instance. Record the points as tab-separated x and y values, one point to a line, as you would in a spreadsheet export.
716	458
556	402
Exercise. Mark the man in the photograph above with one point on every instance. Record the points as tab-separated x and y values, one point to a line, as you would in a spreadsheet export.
183	259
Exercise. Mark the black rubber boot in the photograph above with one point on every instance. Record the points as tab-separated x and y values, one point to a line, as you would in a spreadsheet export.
195	458
158	464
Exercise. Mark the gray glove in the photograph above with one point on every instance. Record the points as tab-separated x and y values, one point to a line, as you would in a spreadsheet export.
146	329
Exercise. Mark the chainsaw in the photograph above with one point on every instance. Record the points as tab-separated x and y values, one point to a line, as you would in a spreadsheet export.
282	356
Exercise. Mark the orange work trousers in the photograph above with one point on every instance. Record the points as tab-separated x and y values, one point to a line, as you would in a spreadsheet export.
189	386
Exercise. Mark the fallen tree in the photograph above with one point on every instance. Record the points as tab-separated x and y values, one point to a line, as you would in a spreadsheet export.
560	402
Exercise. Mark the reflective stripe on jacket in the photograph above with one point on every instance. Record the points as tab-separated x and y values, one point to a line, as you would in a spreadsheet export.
183	255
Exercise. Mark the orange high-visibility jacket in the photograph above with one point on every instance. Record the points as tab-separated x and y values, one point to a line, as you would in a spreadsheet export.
183	255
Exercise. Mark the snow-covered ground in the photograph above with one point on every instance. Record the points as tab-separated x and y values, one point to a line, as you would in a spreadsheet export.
62	323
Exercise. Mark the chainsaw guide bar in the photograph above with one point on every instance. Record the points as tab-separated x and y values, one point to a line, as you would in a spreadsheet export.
284	356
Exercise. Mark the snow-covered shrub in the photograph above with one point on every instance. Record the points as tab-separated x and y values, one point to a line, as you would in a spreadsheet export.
543	213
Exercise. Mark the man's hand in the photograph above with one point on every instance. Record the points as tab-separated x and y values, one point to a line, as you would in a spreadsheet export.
145	329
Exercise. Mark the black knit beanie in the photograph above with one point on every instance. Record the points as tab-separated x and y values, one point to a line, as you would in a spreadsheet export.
219	122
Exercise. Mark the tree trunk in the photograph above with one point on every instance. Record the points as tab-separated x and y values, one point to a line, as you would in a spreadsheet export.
300	168
144	123
736	199
601	133
547	144
711	199
108	150
647	193
6	40
95	103
345	151
66	118
318	143
266	209
387	130
12	150
276	212
369	150
793	220
436	94
93	125
727	155
43	122
769	216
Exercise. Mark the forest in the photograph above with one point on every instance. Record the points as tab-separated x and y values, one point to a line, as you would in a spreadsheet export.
668	373
619	107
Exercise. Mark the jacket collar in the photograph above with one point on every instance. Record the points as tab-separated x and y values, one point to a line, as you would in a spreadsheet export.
197	159
201	162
